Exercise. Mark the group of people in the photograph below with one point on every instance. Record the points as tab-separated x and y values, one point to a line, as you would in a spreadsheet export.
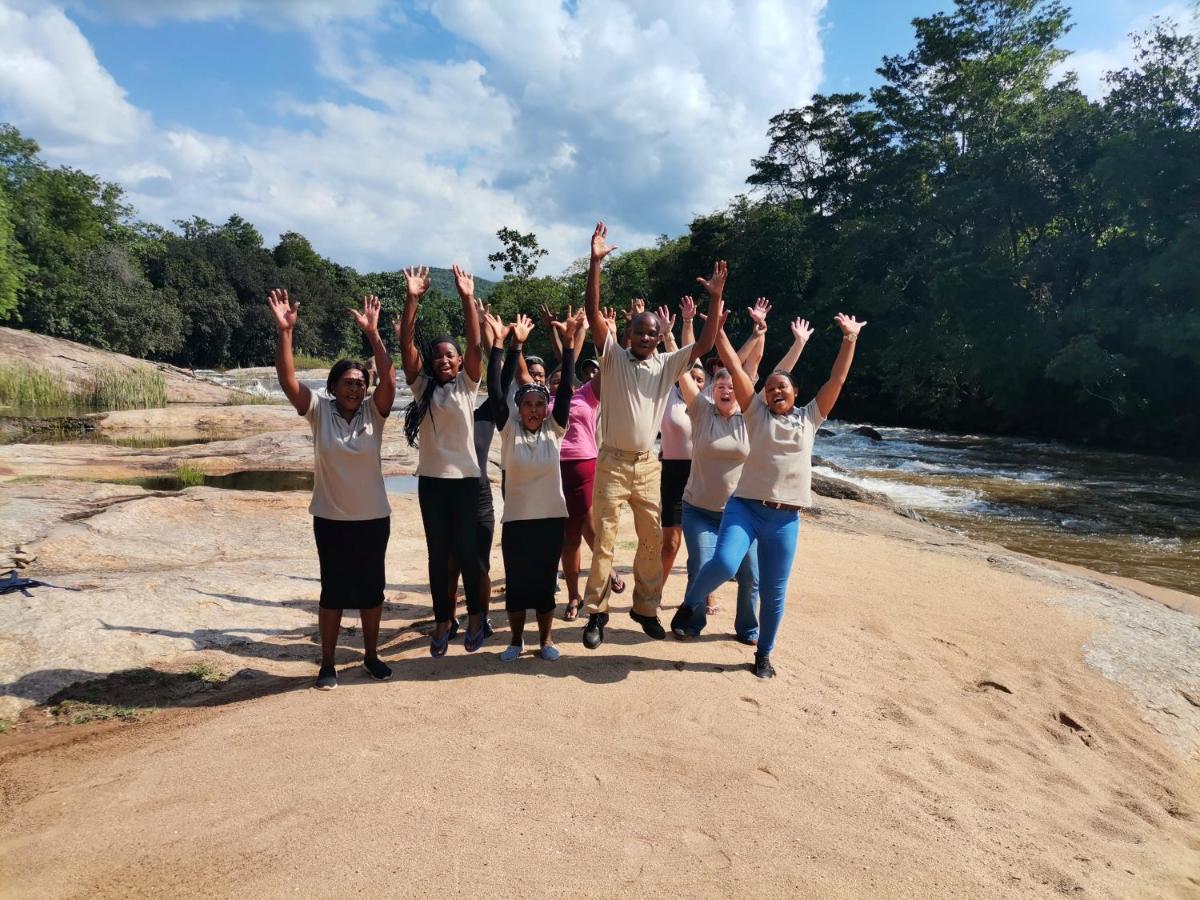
576	448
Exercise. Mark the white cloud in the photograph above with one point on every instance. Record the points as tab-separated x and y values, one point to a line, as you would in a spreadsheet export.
1091	65
52	82
305	13
643	112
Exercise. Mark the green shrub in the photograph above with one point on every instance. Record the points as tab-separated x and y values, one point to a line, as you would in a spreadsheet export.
189	475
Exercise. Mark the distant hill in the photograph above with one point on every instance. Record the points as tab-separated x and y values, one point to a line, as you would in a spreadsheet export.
443	280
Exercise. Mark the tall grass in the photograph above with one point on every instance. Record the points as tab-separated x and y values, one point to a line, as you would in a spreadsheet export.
245	398
30	387
304	361
189	475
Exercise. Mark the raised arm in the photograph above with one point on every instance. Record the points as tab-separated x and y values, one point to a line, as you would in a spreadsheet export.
751	353
416	281
547	323
830	391
495	378
666	327
743	387
368	322
580	333
801	332
286	313
714	285
591	296
520	331
687	312
688	388
464	282
566	383
637	306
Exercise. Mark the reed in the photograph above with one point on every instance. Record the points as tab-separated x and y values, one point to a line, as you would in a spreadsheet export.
189	475
28	387
304	361
245	398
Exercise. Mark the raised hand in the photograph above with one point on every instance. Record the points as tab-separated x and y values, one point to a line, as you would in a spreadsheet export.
687	307
546	316
368	319
521	328
464	282
284	310
666	321
610	316
801	331
600	248
494	328
637	306
714	285
758	314
416	281
848	324
569	327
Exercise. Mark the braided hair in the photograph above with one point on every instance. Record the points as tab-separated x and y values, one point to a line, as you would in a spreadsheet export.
415	412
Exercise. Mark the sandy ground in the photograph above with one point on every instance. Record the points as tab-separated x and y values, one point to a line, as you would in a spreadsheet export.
949	720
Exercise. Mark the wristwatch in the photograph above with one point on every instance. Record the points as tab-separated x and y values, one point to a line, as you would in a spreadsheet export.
850	338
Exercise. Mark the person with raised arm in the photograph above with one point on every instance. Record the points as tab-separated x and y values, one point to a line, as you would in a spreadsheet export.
350	510
637	381
535	510
775	482
720	443
675	449
440	423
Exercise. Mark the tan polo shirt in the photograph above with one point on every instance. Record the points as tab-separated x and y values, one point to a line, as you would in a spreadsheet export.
719	448
446	441
532	478
635	393
347	473
779	466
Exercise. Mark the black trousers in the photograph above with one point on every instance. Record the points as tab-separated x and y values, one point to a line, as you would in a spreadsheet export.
531	548
449	512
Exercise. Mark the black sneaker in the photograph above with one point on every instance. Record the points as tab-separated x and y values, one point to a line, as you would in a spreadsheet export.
327	678
593	635
680	622
762	665
377	669
650	625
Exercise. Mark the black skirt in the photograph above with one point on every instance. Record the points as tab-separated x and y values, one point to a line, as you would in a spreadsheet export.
531	550
351	556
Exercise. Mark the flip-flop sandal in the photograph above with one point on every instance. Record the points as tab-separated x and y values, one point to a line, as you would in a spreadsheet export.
474	639
439	646
709	610
574	605
616	583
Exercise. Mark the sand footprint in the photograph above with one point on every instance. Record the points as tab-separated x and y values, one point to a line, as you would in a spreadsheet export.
705	848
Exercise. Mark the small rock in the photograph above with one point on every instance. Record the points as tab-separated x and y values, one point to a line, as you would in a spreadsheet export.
868	432
840	489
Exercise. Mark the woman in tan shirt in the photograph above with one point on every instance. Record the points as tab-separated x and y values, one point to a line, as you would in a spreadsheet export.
775	482
351	516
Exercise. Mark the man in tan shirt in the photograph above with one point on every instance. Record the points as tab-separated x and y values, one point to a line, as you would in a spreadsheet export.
636	383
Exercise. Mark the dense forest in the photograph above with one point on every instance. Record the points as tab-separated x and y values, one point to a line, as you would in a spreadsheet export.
1028	259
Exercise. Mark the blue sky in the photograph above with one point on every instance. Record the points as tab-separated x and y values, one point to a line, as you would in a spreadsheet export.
392	133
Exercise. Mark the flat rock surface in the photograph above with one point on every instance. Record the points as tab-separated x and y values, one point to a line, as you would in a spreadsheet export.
76	363
949	719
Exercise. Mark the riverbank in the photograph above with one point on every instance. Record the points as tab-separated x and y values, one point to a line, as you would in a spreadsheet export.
950	719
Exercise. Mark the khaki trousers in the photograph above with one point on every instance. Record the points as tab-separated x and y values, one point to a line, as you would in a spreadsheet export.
624	477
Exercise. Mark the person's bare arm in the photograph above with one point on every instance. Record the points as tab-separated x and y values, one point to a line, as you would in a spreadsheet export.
520	330
751	353
714	285
591	296
368	322
801	332
416	281
666	327
687	312
548	324
743	387
286	313
464	283
828	395
580	334
688	389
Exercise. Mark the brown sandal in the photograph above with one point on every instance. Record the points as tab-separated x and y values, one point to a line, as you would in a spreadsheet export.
573	606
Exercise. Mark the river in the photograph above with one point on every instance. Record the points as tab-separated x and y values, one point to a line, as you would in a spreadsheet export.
1119	513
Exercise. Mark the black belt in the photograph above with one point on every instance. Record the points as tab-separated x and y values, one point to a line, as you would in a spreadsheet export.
771	504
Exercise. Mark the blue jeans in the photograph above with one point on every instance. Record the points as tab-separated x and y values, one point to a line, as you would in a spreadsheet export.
776	531
700	527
